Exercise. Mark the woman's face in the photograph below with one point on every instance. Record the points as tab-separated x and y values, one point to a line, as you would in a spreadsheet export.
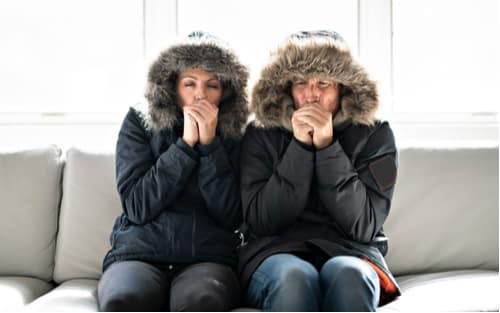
195	85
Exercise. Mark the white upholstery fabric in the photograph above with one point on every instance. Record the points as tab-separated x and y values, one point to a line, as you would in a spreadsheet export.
472	290
77	295
15	292
89	207
444	215
29	199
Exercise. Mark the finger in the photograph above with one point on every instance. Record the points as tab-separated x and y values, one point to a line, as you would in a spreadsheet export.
312	121
188	116
196	115
307	128
303	115
205	111
202	113
207	106
298	122
319	108
301	126
301	120
299	115
190	107
314	111
316	119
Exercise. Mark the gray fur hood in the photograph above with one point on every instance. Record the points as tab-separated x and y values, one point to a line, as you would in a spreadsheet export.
200	50
306	54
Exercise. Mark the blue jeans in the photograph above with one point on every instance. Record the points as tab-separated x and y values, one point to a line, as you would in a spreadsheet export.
285	282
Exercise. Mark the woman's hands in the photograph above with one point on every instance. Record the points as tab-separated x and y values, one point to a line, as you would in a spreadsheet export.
200	122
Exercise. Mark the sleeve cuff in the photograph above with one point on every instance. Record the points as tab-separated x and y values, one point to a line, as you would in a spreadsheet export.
333	149
205	150
303	145
187	148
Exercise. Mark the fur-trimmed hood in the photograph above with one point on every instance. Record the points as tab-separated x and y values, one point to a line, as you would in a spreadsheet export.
204	51
306	54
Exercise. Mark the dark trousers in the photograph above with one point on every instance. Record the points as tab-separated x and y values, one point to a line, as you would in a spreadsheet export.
140	286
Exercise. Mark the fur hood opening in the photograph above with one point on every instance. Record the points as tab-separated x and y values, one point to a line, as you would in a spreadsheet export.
304	55
204	51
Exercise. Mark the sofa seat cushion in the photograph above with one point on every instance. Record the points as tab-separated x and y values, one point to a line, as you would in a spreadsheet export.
72	295
15	292
467	290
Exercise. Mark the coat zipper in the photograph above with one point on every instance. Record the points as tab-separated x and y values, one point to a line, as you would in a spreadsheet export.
193	233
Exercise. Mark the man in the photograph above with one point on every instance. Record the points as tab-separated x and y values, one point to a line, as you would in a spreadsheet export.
318	174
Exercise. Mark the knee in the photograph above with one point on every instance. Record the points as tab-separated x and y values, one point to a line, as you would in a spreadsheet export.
350	285
293	287
300	275
119	303
219	291
202	296
349	271
203	300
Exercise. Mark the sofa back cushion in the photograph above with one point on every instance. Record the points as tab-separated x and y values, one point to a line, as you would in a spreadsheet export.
444	214
29	199
90	204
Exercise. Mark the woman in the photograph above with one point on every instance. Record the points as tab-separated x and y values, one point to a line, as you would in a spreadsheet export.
318	173
173	247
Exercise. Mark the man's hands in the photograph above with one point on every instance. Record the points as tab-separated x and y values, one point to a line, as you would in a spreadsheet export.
312	125
200	122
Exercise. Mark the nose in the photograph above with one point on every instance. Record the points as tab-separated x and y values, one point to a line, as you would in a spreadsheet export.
200	93
312	93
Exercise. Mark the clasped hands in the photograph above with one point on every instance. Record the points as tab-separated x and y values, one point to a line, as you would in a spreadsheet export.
200	122
312	125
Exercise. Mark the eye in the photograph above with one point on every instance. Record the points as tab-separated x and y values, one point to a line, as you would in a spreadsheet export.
189	84
214	86
324	84
299	83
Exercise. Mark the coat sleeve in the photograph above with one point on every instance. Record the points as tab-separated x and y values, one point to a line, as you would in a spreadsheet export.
274	189
219	183
358	197
147	185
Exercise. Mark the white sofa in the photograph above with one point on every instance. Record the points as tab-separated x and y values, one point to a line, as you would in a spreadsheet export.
57	209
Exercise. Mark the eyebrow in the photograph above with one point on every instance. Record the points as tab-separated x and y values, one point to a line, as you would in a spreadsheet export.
195	78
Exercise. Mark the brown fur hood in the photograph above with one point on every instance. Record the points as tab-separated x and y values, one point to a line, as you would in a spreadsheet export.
306	54
200	50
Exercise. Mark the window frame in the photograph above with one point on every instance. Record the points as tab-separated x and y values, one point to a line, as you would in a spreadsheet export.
159	27
375	50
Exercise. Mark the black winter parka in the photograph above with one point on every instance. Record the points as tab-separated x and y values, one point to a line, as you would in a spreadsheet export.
181	204
317	203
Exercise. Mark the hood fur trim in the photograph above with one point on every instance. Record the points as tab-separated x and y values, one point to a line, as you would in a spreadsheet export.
302	58
207	53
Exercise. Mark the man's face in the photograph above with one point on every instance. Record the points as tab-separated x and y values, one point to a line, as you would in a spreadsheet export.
316	90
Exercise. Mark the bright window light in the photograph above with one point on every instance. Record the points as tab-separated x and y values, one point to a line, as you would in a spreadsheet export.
254	28
446	56
70	56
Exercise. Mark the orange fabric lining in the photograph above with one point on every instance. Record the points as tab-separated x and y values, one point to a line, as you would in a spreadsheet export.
386	283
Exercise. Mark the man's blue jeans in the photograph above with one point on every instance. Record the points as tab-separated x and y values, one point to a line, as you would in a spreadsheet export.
285	282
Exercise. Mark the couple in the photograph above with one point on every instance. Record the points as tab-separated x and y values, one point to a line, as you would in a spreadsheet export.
309	184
